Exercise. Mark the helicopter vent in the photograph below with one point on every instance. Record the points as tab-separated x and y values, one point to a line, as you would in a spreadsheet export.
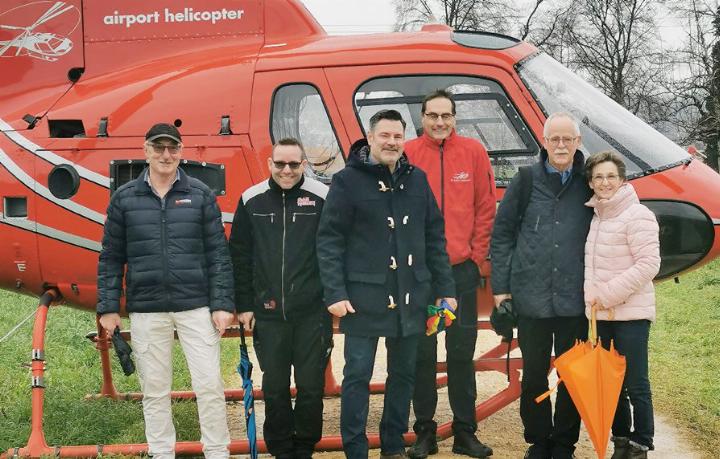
212	175
66	129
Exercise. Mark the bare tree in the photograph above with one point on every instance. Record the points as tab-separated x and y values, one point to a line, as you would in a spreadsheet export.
613	43
696	89
489	15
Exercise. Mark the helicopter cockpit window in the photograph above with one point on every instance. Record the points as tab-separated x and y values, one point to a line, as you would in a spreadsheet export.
298	111
483	112
604	124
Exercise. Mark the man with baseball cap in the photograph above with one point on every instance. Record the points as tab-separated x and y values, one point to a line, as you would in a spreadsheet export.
166	229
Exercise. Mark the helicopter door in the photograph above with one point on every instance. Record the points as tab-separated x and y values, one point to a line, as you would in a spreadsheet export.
299	104
490	106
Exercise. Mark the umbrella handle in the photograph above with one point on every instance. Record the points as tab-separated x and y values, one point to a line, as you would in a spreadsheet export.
547	394
593	325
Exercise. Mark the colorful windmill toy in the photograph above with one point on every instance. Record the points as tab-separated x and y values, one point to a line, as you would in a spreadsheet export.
439	317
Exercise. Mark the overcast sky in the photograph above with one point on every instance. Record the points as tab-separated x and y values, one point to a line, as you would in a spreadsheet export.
353	16
340	17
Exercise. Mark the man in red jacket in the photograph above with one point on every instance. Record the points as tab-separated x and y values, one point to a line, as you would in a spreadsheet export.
460	175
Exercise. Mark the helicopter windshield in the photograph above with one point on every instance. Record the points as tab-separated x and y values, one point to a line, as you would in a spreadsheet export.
604	124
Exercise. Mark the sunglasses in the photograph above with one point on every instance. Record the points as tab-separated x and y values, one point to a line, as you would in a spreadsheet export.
159	148
294	165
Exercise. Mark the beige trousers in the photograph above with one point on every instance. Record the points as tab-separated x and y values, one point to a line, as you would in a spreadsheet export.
152	342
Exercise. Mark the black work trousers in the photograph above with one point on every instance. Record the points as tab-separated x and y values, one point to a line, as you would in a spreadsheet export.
460	340
537	337
305	345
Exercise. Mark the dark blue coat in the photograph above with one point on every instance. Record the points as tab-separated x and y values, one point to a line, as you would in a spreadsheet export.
176	255
541	261
372	221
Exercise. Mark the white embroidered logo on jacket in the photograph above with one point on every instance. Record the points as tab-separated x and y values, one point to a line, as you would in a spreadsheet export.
460	177
305	201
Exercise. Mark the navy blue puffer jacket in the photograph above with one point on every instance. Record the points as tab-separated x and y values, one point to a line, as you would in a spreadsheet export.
176	255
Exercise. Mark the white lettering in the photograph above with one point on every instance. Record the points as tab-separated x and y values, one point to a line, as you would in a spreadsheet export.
169	17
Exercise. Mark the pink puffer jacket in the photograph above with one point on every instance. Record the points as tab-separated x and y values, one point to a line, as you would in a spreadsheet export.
622	256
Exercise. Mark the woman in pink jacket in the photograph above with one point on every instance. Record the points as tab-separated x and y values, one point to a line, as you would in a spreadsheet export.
622	256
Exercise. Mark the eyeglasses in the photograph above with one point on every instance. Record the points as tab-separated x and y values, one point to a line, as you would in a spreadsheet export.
159	148
281	164
556	140
445	116
611	178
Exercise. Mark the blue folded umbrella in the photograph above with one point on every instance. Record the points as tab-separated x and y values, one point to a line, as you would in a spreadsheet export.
245	369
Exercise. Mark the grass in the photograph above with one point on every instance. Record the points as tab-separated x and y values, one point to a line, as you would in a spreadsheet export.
685	356
684	350
73	370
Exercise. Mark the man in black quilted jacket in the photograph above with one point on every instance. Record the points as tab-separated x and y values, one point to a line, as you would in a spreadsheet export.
166	229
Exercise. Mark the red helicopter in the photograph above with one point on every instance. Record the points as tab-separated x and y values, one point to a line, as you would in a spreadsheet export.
234	75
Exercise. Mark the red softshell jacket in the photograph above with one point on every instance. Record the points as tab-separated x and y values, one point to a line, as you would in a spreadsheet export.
463	182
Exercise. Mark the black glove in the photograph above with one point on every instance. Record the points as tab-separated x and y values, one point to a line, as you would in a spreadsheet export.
503	319
123	351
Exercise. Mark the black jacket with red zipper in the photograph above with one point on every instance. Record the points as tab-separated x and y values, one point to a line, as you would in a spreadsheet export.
272	245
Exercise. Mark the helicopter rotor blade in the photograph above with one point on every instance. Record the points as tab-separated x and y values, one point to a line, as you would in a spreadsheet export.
11	43
9	27
52	12
7	45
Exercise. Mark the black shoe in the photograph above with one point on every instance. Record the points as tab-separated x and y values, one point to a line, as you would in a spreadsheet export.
622	447
466	443
424	446
637	451
538	451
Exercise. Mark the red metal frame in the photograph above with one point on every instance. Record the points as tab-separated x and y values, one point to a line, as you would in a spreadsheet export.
36	446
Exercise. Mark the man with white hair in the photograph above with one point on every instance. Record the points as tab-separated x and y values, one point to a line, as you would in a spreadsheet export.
537	252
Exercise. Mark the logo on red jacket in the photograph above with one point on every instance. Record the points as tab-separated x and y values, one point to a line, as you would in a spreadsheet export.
305	201
460	177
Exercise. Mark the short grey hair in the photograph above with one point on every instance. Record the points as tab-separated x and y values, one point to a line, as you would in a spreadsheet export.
557	115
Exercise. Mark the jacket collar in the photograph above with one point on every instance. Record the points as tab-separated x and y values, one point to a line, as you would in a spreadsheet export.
623	198
577	166
432	143
359	159
143	187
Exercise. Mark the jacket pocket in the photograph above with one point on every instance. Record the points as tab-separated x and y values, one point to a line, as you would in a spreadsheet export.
298	216
270	217
368	278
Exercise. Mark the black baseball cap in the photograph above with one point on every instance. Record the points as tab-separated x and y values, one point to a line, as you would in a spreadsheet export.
163	130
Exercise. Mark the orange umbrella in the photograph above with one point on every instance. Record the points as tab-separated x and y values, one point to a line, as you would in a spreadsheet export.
593	377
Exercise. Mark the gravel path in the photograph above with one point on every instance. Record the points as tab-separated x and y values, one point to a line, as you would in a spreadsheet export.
502	431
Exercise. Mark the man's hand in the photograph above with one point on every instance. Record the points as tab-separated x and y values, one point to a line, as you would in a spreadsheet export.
247	320
341	308
452	302
222	320
485	268
110	322
499	298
